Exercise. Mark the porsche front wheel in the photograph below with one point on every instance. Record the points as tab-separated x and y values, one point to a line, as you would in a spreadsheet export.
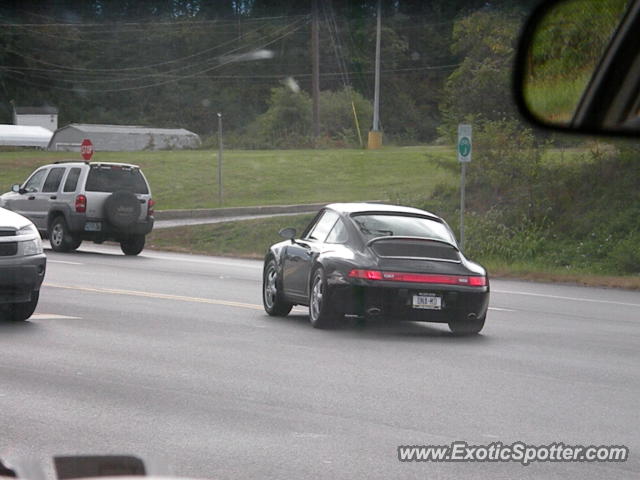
272	299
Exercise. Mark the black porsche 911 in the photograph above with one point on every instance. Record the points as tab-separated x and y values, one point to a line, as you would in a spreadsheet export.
371	259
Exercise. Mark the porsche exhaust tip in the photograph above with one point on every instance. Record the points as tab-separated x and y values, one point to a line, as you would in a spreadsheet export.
472	316
374	312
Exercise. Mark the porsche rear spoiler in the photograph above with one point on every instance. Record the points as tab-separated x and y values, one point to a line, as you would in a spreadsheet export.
443	251
426	239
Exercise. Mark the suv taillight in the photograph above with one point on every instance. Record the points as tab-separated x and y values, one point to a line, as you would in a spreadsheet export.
81	204
151	211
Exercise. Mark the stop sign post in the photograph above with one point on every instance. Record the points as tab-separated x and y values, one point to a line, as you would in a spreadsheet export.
86	149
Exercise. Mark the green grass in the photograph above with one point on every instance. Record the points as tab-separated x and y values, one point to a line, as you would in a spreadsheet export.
555	100
247	238
187	179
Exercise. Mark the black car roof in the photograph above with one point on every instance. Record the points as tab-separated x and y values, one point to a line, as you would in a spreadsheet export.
351	208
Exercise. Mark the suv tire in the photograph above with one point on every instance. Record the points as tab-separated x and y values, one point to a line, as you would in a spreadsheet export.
133	245
60	237
18	312
122	209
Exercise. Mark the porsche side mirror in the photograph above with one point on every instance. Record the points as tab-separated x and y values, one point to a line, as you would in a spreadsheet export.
288	233
15	188
578	66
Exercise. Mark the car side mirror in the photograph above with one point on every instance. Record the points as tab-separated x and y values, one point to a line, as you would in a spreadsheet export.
15	188
288	233
576	67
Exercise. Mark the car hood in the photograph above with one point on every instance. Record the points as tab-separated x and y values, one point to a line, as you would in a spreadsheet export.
12	220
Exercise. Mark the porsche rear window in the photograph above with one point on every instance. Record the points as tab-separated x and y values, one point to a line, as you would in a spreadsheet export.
115	178
383	225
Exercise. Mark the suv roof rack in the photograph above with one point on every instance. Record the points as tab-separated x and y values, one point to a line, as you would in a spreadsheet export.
71	161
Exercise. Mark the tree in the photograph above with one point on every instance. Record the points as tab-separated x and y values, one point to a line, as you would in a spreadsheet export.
480	87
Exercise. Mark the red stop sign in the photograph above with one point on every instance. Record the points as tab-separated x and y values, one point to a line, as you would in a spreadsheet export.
86	149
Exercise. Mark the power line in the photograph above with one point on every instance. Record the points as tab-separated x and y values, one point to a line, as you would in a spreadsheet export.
176	23
289	74
143	67
174	79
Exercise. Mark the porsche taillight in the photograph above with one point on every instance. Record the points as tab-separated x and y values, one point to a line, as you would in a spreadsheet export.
465	280
366	274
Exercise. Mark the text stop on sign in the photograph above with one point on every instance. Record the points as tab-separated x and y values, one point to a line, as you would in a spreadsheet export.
86	149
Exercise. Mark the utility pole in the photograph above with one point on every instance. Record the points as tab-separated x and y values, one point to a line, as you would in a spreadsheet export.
219	158
375	136
315	69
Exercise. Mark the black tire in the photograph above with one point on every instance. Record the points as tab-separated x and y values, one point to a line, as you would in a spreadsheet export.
466	327
321	312
272	298
133	245
60	237
19	312
122	209
76	243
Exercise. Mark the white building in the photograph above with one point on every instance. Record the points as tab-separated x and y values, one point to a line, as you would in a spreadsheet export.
122	138
46	117
24	136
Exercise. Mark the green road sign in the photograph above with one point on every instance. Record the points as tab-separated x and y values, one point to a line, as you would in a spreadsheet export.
464	147
464	143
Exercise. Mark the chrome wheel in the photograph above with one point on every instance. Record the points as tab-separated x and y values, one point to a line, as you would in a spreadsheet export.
272	298
315	303
270	287
57	234
322	313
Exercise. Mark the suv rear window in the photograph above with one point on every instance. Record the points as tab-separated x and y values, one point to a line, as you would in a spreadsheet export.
112	178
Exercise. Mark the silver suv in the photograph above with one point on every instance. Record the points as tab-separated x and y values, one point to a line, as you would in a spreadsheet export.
74	201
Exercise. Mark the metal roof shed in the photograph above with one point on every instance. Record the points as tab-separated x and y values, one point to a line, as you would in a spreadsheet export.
24	136
122	138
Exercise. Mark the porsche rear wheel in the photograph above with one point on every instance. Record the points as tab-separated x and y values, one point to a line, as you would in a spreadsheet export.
466	327
271	295
321	312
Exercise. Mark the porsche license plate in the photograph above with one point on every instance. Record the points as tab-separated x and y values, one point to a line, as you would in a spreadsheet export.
427	301
93	227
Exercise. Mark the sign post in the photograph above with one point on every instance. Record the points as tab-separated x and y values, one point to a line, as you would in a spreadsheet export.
220	159
464	157
86	149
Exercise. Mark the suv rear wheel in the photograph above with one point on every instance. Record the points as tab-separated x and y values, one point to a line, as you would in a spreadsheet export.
60	237
133	245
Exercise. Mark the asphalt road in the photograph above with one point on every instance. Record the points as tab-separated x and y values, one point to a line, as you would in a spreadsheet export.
172	358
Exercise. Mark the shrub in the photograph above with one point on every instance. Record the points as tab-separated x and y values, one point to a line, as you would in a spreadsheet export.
625	256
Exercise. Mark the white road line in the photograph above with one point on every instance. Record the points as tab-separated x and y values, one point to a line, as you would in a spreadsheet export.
64	262
496	309
574	299
163	296
51	316
203	260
